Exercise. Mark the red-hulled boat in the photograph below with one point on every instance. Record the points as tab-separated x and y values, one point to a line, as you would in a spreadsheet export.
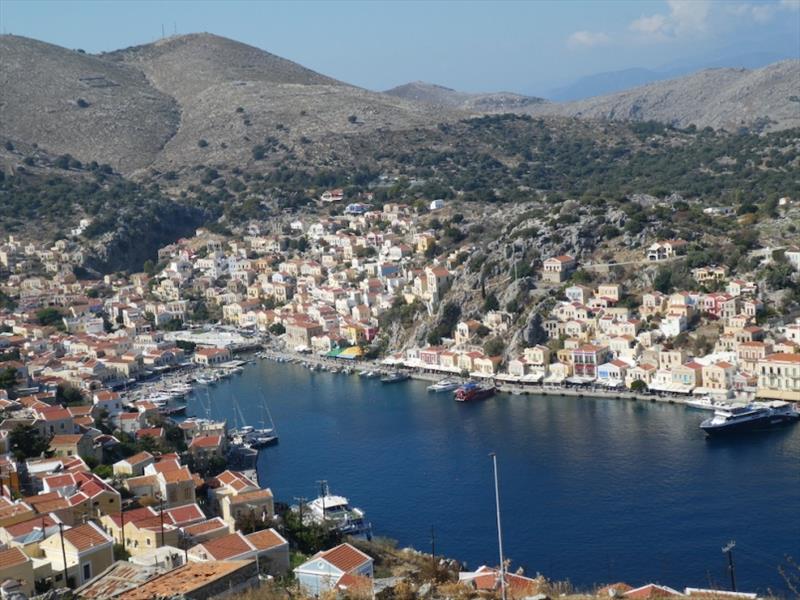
471	391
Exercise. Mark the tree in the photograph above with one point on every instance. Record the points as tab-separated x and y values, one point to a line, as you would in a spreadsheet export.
120	552
638	386
491	302
50	317
8	378
25	441
277	329
202	143
352	119
663	280
494	347
68	394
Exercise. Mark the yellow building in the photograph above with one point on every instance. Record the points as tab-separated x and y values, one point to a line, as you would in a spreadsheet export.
16	565
88	549
779	377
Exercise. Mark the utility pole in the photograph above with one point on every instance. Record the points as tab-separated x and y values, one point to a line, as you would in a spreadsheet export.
433	549
499	529
323	491
728	549
122	524
300	501
161	513
63	552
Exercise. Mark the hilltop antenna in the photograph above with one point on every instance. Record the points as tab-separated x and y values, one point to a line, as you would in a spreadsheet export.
162	31
174	28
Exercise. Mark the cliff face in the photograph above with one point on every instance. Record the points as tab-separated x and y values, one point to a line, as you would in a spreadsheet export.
139	233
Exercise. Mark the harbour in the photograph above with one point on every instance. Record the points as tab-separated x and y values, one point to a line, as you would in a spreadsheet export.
578	475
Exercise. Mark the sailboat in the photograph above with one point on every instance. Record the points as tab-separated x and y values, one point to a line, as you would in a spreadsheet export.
263	436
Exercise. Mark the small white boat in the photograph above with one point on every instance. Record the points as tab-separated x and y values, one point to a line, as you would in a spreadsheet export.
335	511
444	385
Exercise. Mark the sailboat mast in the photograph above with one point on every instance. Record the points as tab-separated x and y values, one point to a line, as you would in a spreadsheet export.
499	529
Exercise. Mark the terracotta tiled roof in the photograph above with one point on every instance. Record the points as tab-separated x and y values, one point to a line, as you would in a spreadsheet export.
178	475
181	515
227	547
345	557
139	458
205	526
184	580
266	539
251	496
11	557
84	537
206	441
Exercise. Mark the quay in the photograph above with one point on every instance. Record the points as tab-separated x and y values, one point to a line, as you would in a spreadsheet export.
504	387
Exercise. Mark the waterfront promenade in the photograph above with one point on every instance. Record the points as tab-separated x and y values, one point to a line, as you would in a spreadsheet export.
506	387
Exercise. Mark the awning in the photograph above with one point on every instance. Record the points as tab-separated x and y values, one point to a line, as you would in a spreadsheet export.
351	353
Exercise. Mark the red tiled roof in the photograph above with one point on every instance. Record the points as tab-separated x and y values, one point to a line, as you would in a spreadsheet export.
266	539
85	537
227	547
11	557
345	557
206	441
181	515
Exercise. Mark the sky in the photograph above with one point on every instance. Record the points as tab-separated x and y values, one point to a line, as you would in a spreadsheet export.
527	47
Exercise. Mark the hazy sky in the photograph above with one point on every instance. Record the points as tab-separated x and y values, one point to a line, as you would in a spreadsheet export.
527	47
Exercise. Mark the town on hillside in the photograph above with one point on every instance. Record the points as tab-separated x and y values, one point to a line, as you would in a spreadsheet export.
107	490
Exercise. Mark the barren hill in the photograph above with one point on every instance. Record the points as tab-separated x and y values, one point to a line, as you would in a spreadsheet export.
186	65
437	95
185	101
764	99
70	102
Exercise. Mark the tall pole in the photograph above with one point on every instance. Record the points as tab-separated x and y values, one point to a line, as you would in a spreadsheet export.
729	551
161	505
499	529
122	525
433	549
323	488
63	552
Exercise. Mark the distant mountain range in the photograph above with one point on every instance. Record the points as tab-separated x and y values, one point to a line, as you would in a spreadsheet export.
437	95
201	99
601	84
762	99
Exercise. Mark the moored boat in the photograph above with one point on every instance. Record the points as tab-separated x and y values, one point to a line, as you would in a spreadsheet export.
741	419
336	512
395	377
444	385
472	391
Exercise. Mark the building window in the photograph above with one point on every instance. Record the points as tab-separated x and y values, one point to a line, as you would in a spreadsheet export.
87	571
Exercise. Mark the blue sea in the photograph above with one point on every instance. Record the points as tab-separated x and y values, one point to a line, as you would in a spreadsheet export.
591	490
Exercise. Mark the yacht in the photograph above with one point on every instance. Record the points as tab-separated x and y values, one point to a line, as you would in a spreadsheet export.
707	403
444	385
337	512
395	377
750	418
472	391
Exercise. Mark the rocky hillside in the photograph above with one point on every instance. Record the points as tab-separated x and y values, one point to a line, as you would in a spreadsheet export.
181	102
201	100
70	102
437	95
763	99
